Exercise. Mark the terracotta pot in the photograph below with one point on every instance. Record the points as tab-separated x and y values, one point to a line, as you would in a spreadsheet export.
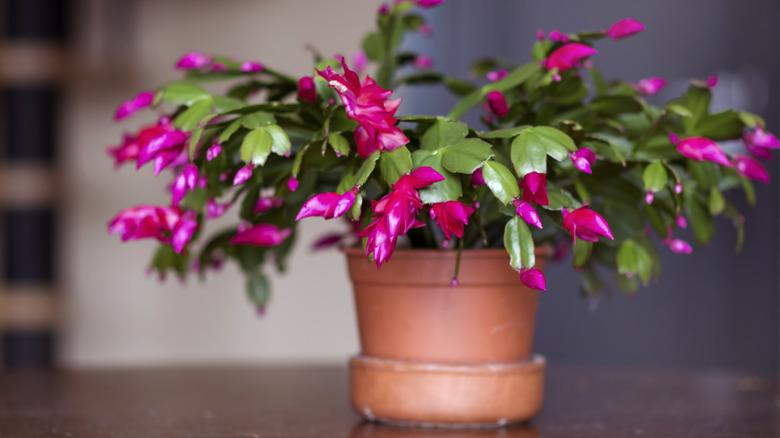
440	354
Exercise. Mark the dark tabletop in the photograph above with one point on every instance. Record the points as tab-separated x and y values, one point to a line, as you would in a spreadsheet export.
312	402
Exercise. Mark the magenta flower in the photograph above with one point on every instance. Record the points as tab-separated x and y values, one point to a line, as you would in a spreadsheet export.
396	213
681	221
307	91
558	36
678	246
533	278
261	235
712	81
243	174
477	179
328	205
292	184
496	103
760	142
167	225
678	187
702	149
649	197
161	143
384	9
144	221
359	61
184	182
624	28
534	187
267	203
650	86
139	102
183	231
213	151
218	66
527	213
540	35
751	168
127	151
568	56
496	75
583	159
428	3
251	67
426	31
215	210
423	62
193	60
586	224
367	104
451	217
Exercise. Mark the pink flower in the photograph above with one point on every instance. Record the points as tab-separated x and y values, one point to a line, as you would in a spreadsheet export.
678	187
162	143
139	102
359	61
384	9
681	221
213	151
218	66
712	81
127	151
702	149
678	246
558	36
261	235
243	174
496	75
586	224
423	62
215	210
367	104
751	168
540	35
428	3
267	203
477	179
183	231
527	213
167	225
328	205
451	217
307	91
292	184
649	197
568	56
534	187
426	31
624	28
396	213
184	182
760	142
583	159
252	67
650	86
193	60
496	103
533	278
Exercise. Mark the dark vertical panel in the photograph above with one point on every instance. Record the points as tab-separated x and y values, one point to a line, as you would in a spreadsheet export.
29	246
30	122
36	20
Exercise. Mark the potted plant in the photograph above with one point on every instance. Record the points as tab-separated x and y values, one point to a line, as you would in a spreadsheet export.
460	218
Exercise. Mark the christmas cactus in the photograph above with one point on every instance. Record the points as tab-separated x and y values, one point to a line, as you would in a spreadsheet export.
563	159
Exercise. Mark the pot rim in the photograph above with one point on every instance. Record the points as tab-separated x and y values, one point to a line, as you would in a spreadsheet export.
544	251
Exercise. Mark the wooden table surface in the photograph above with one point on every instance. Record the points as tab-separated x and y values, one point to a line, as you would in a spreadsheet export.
312	402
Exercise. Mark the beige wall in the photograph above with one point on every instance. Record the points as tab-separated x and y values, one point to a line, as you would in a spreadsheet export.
114	313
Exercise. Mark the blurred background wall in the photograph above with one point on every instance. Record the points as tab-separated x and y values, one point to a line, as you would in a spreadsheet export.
709	310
